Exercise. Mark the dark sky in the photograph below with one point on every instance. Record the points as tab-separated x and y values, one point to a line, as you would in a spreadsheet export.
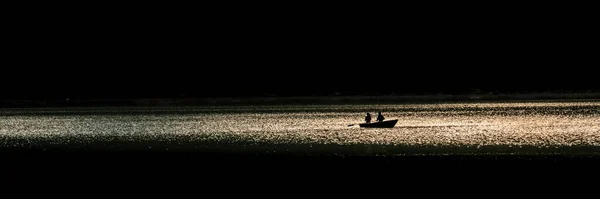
215	49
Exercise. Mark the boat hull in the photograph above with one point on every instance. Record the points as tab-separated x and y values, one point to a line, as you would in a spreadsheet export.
384	124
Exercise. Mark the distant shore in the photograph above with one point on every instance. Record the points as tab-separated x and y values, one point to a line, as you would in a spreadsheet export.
333	99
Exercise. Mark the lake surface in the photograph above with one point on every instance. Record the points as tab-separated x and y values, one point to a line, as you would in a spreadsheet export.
541	127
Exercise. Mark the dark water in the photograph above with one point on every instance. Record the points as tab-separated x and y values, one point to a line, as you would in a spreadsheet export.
432	144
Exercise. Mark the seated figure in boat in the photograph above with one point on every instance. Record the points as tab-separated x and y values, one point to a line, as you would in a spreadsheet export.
380	117
368	118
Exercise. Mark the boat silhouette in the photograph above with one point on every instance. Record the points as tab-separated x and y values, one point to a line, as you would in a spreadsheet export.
382	124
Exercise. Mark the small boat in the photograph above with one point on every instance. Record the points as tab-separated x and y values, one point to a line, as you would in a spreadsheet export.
383	124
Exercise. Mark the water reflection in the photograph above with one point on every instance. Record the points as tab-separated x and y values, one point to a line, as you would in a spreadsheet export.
541	125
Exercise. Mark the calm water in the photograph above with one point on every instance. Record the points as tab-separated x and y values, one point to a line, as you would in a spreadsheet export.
528	127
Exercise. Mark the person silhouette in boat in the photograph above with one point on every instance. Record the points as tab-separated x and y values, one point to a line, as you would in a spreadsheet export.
380	117
368	118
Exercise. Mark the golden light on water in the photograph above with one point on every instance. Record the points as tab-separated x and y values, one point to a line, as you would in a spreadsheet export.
472	127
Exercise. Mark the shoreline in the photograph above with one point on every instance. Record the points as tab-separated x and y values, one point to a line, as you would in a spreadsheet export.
273	100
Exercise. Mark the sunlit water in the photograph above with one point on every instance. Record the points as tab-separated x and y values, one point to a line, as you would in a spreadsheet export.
527	127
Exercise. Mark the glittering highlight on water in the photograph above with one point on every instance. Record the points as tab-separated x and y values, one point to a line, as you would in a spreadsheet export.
538	125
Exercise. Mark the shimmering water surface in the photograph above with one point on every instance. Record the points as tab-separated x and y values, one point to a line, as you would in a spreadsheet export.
512	127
